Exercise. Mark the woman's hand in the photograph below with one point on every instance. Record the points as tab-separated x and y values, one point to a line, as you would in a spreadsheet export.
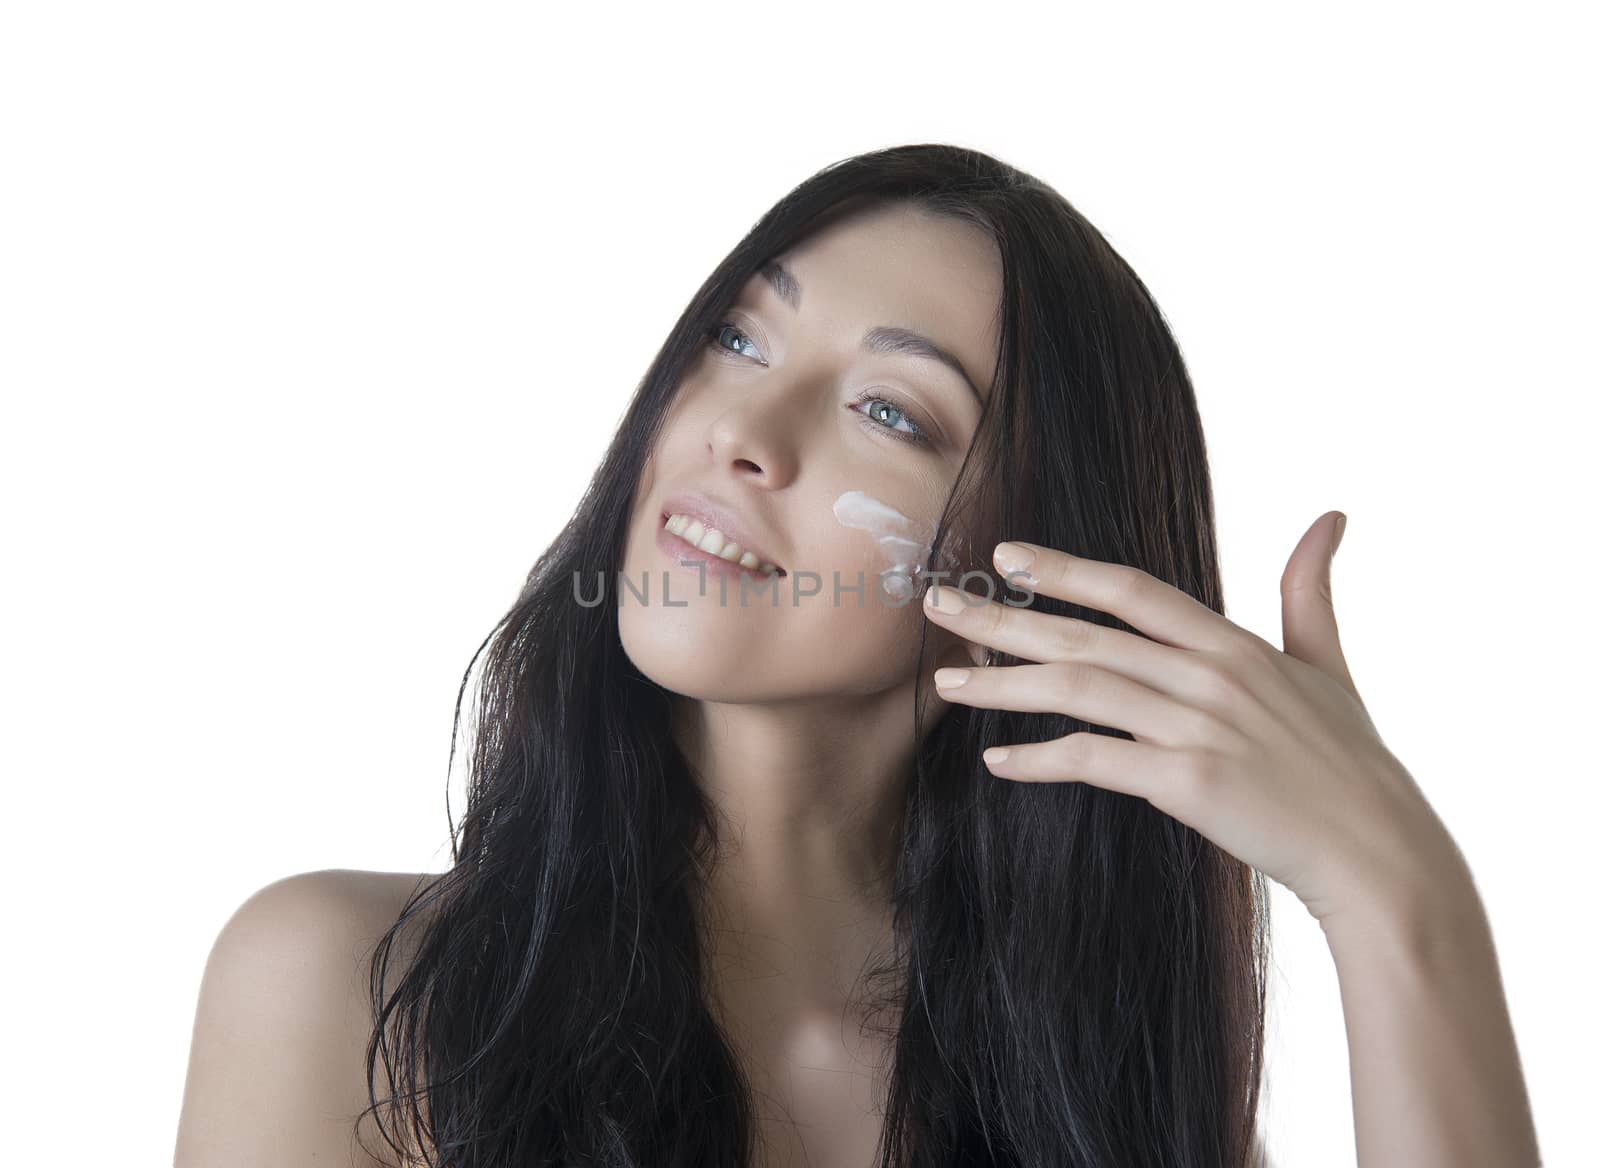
1269	754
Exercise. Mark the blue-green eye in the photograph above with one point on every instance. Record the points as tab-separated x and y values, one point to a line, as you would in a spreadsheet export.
916	433
715	333
874	398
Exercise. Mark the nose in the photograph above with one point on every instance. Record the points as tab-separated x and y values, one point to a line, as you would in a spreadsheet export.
754	445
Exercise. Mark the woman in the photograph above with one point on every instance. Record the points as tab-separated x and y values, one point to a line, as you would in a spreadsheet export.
741	878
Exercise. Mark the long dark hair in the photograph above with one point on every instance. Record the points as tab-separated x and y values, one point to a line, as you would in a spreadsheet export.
1081	978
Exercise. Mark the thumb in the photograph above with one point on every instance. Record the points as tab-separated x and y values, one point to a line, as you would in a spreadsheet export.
1310	629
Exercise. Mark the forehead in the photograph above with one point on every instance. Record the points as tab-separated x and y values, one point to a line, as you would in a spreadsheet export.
895	268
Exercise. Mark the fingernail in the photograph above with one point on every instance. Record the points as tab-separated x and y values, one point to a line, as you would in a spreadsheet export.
950	678
1338	531
996	754
945	599
1013	557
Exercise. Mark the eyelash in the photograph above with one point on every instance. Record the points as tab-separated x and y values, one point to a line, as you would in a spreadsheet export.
918	438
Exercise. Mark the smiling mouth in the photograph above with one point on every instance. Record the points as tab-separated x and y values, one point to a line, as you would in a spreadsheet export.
715	543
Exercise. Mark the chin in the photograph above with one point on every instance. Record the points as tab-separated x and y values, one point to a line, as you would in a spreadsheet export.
688	657
691	681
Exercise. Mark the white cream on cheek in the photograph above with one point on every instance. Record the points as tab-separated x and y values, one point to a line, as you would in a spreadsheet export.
906	544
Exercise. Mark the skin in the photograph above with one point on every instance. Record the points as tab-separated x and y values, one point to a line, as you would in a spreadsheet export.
1272	756
798	717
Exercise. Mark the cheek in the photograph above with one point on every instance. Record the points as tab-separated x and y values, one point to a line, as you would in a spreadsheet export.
846	627
890	533
878	637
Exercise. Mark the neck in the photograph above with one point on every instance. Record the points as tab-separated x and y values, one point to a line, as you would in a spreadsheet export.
808	798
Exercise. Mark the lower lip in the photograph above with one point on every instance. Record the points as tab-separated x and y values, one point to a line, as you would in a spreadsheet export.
689	556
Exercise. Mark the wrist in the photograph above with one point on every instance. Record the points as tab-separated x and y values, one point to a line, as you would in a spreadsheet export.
1397	883
1421	921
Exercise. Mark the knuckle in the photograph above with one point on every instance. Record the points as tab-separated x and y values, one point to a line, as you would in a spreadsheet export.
1220	686
1196	774
1073	636
1205	730
1252	651
1076	749
1130	586
1073	676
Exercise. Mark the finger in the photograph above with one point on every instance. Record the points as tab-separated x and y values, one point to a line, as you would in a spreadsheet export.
1115	764
1310	627
1045	637
1100	696
1152	606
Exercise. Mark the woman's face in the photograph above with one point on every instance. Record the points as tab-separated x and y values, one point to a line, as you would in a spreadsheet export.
831	457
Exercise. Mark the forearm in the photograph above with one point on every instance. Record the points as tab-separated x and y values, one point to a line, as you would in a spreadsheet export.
1434	1071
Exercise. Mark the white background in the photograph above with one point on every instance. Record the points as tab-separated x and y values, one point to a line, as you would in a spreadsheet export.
316	318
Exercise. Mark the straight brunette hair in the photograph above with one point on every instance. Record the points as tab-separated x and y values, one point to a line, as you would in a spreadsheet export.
1078	978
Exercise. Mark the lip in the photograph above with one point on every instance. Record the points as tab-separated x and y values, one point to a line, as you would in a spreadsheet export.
712	514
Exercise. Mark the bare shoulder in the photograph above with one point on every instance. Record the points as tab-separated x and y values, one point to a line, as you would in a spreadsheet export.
277	1068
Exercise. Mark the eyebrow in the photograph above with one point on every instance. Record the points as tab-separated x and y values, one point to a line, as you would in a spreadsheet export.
883	339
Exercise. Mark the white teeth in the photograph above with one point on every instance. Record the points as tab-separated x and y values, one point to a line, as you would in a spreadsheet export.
712	541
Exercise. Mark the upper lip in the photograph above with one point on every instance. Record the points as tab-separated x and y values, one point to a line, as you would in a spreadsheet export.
716	513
